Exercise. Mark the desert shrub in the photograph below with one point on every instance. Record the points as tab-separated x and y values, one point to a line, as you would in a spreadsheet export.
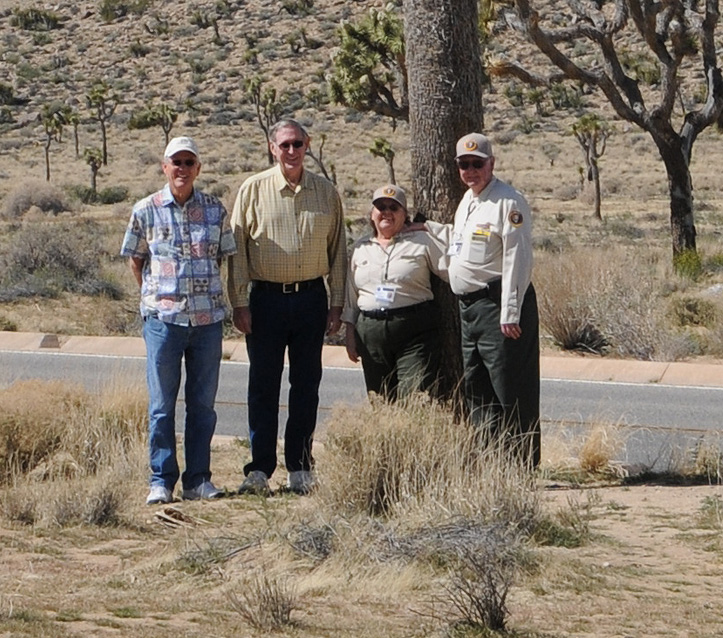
606	301
34	19
112	9
7	325
688	264
82	193
112	195
692	311
45	196
49	258
265	602
7	94
389	459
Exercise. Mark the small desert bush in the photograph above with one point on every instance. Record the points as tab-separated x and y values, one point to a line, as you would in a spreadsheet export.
607	301
69	457
45	196
50	258
264	602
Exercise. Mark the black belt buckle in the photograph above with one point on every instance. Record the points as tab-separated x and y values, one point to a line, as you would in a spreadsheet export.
287	289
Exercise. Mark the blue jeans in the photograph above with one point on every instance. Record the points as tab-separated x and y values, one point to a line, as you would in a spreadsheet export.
296	321
166	346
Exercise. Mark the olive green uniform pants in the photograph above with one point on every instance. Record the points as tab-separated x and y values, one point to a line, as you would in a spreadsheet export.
502	375
399	350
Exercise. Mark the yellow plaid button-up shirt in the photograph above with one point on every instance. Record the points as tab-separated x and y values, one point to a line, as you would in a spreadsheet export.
286	235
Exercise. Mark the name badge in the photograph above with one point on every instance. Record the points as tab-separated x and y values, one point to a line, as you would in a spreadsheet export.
455	248
385	294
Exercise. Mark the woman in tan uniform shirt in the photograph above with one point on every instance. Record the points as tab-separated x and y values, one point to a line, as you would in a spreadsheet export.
391	322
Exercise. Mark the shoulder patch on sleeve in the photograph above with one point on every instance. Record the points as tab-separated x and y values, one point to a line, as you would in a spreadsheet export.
515	218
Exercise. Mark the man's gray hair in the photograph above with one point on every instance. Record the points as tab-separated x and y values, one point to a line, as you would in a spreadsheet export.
283	124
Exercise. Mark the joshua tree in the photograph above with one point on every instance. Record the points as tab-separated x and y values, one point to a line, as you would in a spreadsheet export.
103	103
268	108
592	134
647	87
94	158
382	148
445	98
53	118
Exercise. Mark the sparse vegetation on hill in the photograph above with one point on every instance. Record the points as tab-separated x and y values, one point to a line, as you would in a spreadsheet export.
220	67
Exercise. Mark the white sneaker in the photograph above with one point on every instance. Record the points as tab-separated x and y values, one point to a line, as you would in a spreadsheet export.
255	483
205	490
300	482
159	494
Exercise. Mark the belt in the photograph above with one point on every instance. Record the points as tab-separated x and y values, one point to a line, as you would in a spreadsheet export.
294	286
388	313
493	290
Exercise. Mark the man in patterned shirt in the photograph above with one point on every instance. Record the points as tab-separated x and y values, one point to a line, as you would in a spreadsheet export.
289	230
175	241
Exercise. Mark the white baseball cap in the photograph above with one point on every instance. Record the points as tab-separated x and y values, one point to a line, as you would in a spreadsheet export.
178	144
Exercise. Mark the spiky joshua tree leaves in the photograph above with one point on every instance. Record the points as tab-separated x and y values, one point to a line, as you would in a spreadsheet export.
370	72
672	35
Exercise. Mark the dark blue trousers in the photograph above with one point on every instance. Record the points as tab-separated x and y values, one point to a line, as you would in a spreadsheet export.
281	323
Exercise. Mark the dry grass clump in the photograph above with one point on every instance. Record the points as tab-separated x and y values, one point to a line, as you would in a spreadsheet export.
412	459
265	602
68	457
608	300
403	483
45	196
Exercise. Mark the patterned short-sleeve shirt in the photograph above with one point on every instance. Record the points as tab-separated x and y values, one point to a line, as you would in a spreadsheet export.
181	246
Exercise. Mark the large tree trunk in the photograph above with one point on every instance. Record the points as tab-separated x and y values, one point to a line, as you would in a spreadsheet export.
445	103
680	187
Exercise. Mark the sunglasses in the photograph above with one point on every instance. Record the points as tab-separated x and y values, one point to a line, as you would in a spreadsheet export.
187	162
392	207
287	145
465	164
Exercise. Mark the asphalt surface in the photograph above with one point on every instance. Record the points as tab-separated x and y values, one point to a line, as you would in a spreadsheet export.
572	367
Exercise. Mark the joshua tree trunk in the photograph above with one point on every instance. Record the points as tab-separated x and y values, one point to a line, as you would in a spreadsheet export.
445	102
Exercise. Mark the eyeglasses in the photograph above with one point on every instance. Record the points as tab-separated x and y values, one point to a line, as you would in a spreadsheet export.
287	145
392	207
465	164
188	163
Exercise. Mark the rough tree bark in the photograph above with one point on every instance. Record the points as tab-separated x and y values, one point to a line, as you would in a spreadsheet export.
445	102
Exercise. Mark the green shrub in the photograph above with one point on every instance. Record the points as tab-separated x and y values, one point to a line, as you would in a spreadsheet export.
688	264
34	20
113	195
112	9
82	193
690	311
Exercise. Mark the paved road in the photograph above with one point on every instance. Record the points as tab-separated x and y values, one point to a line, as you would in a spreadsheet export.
657	421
